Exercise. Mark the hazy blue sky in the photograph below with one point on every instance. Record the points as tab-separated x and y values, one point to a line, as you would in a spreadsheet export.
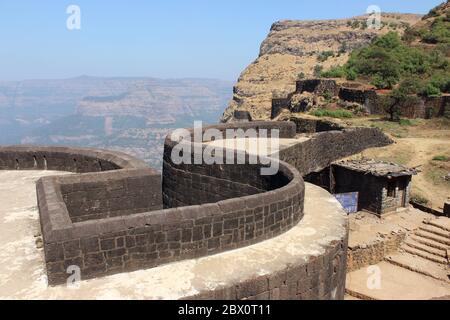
167	39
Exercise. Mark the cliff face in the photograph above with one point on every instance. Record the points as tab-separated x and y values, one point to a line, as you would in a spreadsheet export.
293	48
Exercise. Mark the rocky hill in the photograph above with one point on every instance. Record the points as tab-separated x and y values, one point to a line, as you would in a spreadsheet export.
159	101
295	49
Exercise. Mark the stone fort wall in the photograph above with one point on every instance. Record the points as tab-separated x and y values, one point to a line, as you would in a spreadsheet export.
324	148
109	218
372	100
105	222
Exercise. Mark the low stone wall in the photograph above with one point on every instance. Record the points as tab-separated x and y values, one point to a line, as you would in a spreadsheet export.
241	115
318	86
127	243
278	104
93	196
305	125
361	96
438	106
367	255
78	160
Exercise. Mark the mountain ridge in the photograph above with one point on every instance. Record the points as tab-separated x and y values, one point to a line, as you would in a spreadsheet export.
295	47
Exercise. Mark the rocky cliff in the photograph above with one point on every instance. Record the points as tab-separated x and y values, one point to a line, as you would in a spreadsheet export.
294	49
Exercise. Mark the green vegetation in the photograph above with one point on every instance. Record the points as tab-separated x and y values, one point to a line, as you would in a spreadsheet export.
343	48
339	72
417	198
439	31
332	113
324	55
436	175
335	72
441	158
389	61
328	96
357	24
318	70
405	122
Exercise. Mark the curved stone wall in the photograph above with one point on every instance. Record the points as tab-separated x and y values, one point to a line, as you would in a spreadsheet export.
192	184
110	219
79	160
326	147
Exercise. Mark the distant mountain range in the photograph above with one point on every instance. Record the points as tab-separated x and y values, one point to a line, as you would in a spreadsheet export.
127	114
295	49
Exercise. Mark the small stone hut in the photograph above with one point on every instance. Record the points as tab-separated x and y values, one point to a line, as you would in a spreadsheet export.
382	186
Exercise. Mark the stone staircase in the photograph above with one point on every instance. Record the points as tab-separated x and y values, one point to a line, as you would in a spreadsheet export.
431	242
427	250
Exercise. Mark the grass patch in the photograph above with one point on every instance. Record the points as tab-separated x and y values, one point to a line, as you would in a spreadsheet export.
332	113
441	158
420	199
406	122
436	175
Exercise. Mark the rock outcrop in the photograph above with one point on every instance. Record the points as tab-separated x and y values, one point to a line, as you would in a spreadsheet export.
293	49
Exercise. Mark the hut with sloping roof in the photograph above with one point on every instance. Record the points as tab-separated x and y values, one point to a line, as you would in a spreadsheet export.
382	187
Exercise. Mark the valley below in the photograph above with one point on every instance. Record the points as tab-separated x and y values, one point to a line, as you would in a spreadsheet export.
132	115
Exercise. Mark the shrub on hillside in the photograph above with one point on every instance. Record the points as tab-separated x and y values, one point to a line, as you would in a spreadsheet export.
439	31
318	70
388	60
431	91
335	72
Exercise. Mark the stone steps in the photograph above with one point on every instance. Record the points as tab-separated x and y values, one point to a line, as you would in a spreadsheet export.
430	242
425	255
441	223
358	295
432	236
428	249
435	230
419	265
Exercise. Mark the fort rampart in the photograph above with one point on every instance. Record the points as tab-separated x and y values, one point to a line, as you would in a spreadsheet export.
113	216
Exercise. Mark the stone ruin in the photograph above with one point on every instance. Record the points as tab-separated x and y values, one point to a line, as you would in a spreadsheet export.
351	92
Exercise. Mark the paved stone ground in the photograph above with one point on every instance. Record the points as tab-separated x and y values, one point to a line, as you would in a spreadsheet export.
257	145
22	270
404	276
396	284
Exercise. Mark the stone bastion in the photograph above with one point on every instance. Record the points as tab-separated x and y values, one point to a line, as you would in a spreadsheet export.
116	215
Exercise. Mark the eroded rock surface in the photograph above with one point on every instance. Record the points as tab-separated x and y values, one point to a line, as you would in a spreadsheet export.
293	49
